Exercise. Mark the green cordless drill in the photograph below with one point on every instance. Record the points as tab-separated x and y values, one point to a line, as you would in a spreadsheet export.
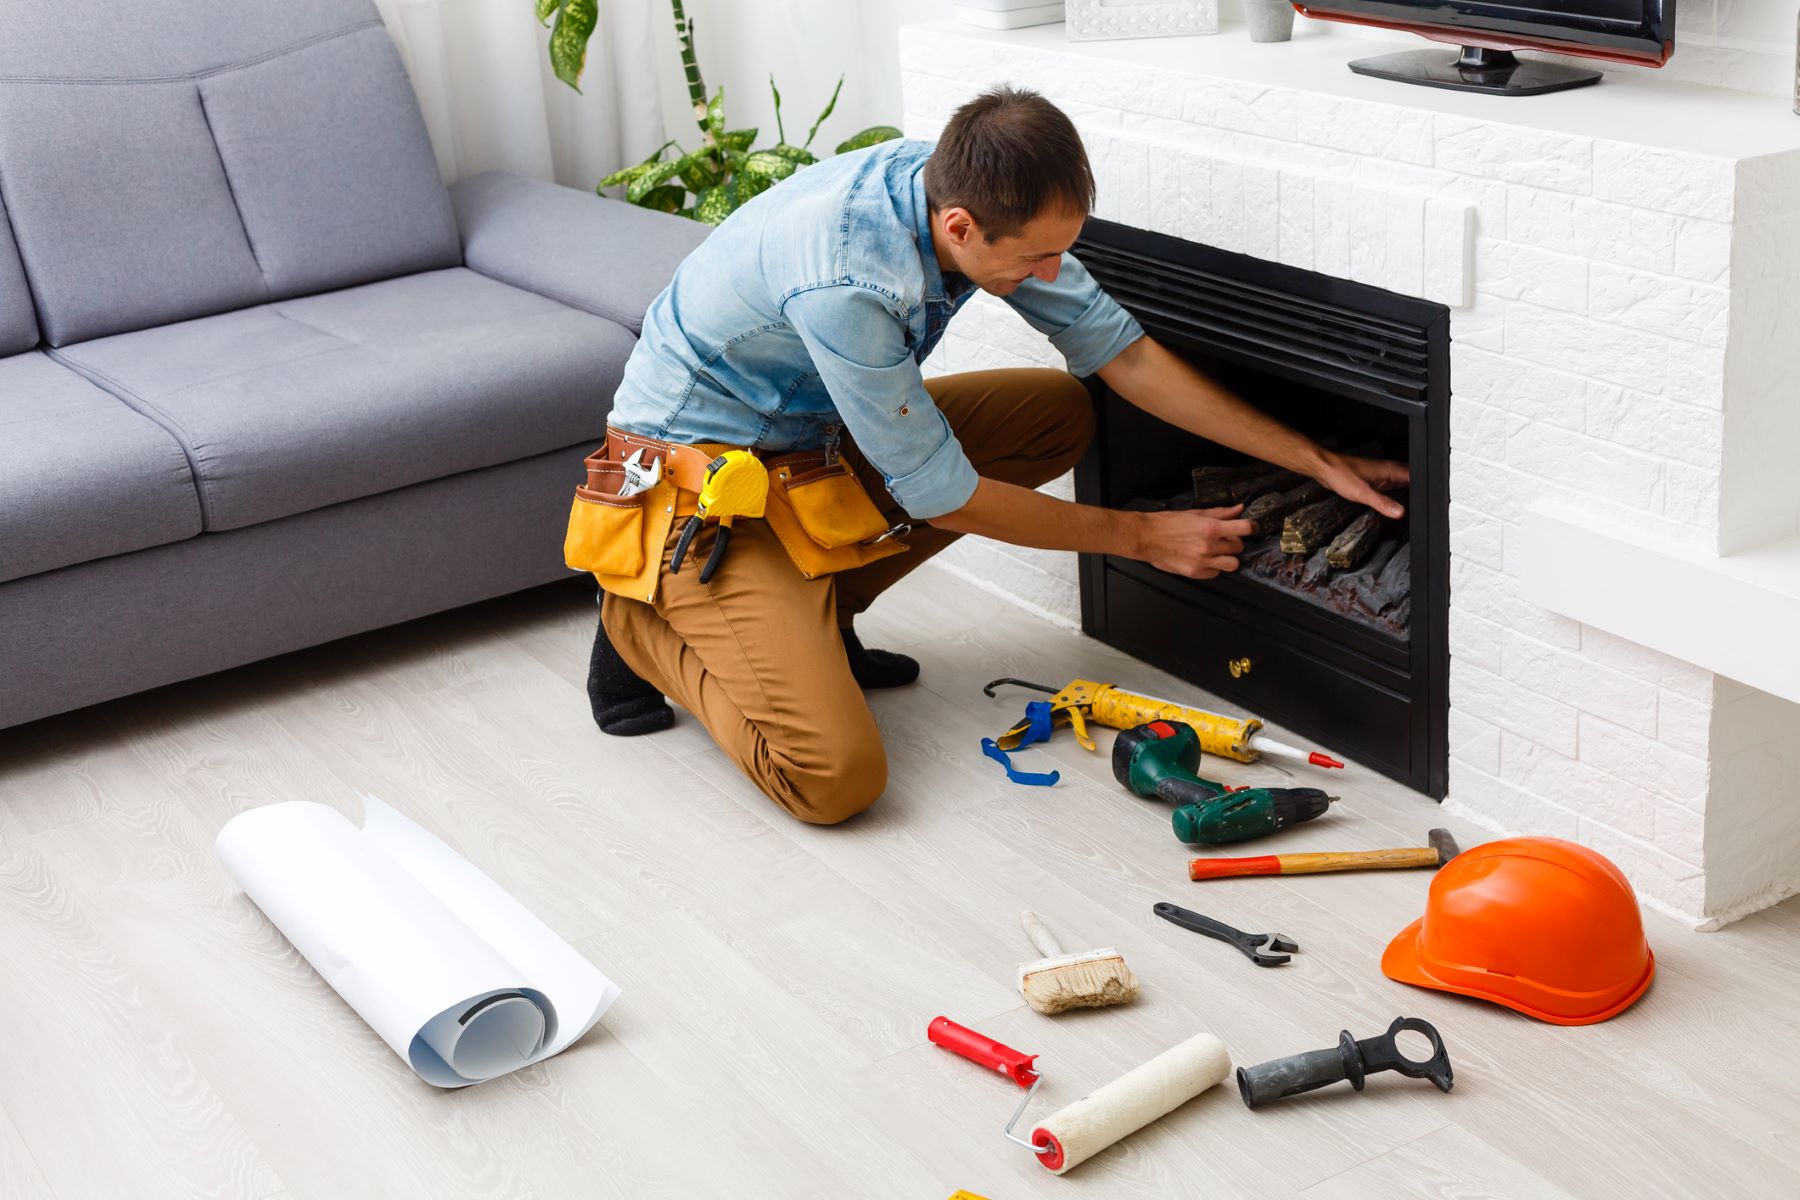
1162	759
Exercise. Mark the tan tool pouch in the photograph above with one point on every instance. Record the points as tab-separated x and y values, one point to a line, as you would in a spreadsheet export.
606	530
620	538
823	517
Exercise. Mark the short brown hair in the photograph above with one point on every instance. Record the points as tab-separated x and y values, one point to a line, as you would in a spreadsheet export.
1007	156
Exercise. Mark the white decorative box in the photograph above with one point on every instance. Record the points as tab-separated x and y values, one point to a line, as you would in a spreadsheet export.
1099	20
1008	14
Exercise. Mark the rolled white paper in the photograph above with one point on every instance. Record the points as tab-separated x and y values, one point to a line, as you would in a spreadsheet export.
454	974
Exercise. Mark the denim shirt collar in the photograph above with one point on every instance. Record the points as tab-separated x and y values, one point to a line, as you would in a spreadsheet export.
939	289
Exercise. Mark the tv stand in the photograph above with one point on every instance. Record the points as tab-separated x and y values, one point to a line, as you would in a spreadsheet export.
1476	69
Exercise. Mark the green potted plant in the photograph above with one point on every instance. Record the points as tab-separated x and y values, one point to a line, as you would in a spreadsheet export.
707	183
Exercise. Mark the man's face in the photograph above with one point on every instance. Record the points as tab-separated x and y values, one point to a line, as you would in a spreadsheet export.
1000	266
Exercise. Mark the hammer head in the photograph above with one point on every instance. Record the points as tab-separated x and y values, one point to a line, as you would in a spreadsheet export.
1444	844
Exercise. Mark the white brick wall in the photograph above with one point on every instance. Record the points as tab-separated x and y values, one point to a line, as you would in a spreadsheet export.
1603	311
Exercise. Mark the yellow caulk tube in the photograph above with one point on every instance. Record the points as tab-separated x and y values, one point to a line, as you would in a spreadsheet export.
1238	738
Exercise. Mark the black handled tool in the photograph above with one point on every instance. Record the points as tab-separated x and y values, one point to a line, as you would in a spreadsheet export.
736	485
1350	1059
1263	949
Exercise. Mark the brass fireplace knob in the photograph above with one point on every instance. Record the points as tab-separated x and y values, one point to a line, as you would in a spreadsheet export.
1240	667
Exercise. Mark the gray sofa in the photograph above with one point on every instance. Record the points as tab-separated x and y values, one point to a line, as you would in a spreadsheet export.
264	381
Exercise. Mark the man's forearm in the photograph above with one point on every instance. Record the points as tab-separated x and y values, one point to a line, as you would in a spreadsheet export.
1007	512
1165	386
1196	544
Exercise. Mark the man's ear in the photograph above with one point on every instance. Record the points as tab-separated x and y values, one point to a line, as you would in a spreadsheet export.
957	225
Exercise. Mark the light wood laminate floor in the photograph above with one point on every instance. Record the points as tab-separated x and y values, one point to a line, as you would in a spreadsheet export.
159	1038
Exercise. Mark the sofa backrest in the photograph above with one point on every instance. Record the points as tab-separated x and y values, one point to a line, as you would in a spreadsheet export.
171	159
18	324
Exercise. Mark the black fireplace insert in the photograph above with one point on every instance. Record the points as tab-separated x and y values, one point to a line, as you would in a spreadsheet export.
1355	655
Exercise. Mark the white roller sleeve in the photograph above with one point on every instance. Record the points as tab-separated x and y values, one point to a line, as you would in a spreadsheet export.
1133	1100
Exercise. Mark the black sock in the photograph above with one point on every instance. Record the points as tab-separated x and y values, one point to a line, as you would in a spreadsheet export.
874	669
623	704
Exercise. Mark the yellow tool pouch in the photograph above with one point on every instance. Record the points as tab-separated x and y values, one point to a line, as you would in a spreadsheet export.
619	538
823	517
605	529
831	506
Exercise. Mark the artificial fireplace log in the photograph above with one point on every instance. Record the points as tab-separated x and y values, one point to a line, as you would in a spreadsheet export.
1313	526
1269	511
1316	571
1351	588
1212	485
1394	584
1359	593
1354	543
1273	483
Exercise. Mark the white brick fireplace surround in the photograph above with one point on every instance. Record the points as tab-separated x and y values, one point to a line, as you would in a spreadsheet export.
1622	263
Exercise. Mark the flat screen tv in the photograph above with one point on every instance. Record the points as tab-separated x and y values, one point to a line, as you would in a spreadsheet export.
1629	31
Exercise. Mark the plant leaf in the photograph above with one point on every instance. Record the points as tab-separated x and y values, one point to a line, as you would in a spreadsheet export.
771	165
663	199
650	180
830	104
780	133
569	39
874	135
715	116
797	154
751	183
738	139
699	169
547	9
715	204
628	174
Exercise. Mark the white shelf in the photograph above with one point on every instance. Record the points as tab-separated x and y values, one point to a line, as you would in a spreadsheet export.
1635	106
1737	616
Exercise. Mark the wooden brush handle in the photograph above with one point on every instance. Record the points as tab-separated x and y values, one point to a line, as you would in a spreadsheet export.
1041	937
1309	864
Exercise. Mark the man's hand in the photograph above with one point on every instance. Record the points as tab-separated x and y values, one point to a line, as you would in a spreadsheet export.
1364	480
1198	543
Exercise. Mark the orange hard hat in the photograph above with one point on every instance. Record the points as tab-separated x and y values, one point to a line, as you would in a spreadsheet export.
1538	924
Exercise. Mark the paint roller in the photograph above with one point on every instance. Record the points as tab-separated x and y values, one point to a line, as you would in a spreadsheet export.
1075	1133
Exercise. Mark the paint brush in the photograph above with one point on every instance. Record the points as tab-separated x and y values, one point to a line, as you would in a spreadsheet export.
1059	981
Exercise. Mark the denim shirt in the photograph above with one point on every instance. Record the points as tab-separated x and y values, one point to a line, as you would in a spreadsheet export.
807	313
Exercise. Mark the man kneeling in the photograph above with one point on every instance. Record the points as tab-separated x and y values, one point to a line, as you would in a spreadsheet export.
795	332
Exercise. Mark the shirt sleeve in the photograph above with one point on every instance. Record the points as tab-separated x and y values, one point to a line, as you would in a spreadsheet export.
858	346
1084	323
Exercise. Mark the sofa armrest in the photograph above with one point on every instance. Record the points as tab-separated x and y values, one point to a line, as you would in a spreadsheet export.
603	256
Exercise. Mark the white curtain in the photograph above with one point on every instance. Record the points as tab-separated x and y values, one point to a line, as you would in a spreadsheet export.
482	73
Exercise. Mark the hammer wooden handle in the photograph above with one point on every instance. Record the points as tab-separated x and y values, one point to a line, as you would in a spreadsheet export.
1308	864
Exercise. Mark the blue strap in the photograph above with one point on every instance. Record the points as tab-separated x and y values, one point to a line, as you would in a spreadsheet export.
1038	713
992	749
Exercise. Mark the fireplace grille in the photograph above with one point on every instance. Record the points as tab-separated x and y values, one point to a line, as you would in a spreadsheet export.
1340	360
1283	333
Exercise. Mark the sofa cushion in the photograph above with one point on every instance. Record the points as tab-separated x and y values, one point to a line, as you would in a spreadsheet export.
82	476
291	406
121	210
150	158
110	40
604	256
331	167
18	323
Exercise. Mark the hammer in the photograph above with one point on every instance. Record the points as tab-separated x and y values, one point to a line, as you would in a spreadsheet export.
1441	850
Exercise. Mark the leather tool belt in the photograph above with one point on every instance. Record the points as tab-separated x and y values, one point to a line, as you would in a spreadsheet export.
817	509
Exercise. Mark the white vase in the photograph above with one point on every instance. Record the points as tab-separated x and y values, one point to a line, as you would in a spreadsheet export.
1270	20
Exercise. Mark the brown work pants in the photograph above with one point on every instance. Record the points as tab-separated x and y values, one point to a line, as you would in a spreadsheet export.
756	654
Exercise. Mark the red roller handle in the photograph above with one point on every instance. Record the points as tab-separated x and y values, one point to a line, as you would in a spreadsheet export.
978	1047
1221	868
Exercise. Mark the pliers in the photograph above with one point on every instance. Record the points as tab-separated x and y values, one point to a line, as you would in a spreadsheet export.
736	485
1263	949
